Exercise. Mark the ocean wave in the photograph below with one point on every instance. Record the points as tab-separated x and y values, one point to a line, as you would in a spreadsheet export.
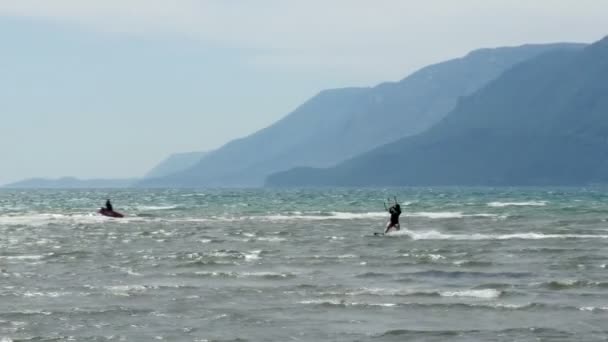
517	204
270	239
594	308
451	215
337	215
445	334
343	303
156	207
22	257
374	275
332	215
44	219
51	294
482	294
573	284
436	235
472	293
472	263
487	293
340	302
260	275
467	274
425	257
128	290
216	256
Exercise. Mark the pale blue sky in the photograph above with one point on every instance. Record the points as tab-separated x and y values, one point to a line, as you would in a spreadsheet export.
107	88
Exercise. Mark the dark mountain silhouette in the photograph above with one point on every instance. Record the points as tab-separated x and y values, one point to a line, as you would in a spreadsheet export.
543	122
342	123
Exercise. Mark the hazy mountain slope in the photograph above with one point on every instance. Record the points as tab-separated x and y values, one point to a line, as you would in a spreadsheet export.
175	163
545	121
339	124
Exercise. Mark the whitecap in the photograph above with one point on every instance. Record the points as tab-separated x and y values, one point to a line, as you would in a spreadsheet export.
436	235
323	301
125	290
21	257
44	219
253	255
435	257
483	294
271	239
157	207
593	308
450	215
44	294
267	274
347	256
517	204
333	215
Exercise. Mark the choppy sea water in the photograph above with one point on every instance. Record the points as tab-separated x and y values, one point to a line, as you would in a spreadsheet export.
303	265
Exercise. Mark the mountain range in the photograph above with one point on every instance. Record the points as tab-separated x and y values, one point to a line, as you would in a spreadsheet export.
542	122
70	183
174	163
339	124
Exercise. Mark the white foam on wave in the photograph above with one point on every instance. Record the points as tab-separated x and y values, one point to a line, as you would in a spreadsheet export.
330	216
271	239
323	301
45	294
30	219
436	235
593	308
157	207
253	255
43	219
126	290
292	216
343	303
449	215
333	215
483	294
336	215
231	274
436	215
21	257
518	204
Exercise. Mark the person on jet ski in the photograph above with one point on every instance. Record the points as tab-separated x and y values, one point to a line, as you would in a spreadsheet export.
109	206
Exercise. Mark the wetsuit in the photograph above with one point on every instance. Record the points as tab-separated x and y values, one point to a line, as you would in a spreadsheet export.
109	206
395	211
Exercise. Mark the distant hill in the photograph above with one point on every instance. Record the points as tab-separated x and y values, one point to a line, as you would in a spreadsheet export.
339	124
543	122
70	183
175	163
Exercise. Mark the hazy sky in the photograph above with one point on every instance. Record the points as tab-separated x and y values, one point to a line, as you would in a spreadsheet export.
107	88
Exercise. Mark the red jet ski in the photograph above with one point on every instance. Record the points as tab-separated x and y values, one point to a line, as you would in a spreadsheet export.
110	213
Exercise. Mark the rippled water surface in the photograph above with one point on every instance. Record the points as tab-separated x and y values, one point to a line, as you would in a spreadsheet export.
304	265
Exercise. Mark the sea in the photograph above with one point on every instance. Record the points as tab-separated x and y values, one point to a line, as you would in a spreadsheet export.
469	264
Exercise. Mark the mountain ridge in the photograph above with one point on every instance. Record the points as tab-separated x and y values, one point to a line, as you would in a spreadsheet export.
70	183
540	123
338	124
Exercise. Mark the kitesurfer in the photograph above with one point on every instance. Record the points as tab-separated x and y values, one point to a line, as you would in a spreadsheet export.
395	211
